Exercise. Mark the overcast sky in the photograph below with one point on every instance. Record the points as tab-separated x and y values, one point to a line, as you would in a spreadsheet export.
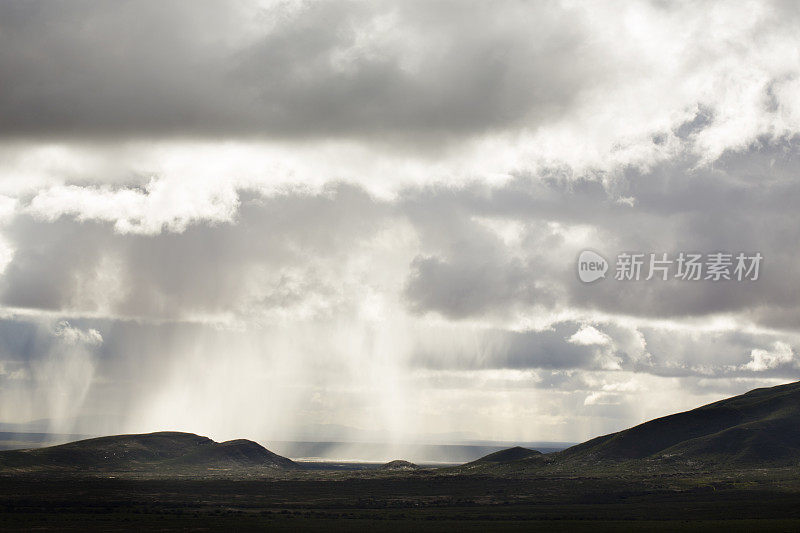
272	219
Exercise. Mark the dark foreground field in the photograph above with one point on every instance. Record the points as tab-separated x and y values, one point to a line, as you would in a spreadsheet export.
428	501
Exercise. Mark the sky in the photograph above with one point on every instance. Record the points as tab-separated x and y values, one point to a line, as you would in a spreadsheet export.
361	220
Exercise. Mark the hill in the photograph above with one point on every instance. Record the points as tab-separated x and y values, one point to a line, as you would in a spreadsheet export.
759	428
162	451
239	452
516	453
398	465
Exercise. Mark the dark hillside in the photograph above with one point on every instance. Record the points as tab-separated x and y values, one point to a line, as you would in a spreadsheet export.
761	425
142	452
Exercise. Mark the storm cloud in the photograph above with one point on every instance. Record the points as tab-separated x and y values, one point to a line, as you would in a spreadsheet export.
353	68
369	213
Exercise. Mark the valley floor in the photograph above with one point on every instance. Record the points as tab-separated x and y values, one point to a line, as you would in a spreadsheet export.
431	501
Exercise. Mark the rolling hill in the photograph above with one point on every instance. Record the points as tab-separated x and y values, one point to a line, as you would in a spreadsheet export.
398	465
517	453
759	428
162	451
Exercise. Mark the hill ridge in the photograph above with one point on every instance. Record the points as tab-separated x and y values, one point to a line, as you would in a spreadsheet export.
759	427
146	451
780	404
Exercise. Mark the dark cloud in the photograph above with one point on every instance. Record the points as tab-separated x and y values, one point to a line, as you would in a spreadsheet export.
568	348
460	264
549	349
166	288
98	68
50	272
208	268
470	288
679	205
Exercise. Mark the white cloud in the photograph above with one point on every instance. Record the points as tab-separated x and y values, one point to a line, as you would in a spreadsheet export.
589	335
75	336
160	205
761	360
602	398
